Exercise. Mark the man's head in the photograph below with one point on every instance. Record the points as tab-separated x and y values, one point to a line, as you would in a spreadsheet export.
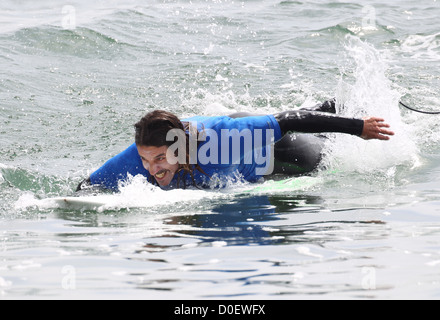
153	147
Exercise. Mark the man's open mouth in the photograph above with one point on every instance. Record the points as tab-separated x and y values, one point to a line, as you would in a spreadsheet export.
160	175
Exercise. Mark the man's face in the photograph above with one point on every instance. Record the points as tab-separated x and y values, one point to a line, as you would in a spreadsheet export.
155	161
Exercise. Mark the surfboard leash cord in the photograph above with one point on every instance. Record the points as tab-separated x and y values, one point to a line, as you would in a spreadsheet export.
416	110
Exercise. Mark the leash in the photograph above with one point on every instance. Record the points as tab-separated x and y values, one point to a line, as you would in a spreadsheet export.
416	110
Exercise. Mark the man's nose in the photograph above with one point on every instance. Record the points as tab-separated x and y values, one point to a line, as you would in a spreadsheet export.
154	169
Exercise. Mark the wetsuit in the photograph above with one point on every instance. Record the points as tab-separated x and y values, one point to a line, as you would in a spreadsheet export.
301	153
293	153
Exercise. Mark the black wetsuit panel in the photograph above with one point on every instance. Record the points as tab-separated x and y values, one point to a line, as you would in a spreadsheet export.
317	122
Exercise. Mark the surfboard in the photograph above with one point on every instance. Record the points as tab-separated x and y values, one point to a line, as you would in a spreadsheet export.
285	185
83	203
131	201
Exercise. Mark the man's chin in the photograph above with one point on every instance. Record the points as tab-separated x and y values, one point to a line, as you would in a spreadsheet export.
165	182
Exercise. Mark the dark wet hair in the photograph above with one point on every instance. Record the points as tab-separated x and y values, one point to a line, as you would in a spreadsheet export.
152	130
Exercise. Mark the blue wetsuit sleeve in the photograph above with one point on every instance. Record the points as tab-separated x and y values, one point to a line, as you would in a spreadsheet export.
260	122
273	123
240	123
243	145
118	168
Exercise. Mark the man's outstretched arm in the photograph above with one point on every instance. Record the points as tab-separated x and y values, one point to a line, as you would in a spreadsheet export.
318	122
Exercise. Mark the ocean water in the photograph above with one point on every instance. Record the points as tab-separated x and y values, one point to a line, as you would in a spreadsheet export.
76	76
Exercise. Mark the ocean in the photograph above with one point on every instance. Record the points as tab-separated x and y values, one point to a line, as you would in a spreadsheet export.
74	78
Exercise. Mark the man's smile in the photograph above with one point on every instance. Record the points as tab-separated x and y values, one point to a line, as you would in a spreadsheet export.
161	174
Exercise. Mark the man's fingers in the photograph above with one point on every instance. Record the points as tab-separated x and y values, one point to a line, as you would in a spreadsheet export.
387	132
383	125
383	134
374	128
382	137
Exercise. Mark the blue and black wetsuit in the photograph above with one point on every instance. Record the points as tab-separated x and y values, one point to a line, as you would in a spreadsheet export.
293	153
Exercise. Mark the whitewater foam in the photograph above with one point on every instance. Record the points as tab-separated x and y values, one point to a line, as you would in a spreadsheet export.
202	101
135	192
422	47
1	176
371	94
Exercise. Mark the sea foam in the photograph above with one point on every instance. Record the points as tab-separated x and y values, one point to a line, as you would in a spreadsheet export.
369	93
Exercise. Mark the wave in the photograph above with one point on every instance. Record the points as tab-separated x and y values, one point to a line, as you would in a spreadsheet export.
422	47
18	15
290	2
33	181
2	180
80	42
354	29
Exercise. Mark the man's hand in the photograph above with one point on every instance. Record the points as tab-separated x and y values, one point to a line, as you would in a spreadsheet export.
374	128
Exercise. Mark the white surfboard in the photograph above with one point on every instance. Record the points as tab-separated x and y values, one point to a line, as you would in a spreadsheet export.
124	201
84	203
132	199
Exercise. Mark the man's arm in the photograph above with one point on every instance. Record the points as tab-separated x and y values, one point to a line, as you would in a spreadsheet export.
116	169
318	122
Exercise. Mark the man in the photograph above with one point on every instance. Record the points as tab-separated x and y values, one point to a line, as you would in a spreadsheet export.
212	151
